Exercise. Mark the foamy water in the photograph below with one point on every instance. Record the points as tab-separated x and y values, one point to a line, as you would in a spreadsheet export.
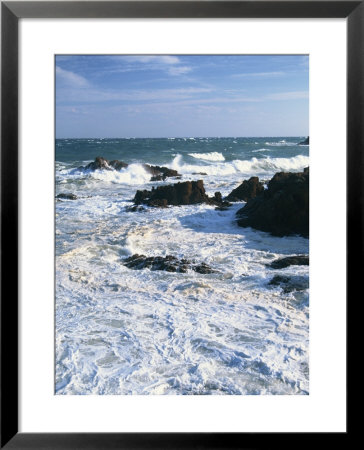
123	331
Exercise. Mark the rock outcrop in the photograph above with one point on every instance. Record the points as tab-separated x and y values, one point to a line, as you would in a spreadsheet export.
168	263
289	284
282	263
282	209
158	172
66	196
247	190
185	193
101	163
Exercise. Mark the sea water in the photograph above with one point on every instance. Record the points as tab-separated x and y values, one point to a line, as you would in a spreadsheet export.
124	331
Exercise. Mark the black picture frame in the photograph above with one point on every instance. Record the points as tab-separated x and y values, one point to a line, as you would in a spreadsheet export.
11	12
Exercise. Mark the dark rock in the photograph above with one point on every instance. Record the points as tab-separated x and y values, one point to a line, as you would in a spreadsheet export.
158	178
118	165
141	197
168	263
186	193
299	260
199	173
289	284
202	268
305	142
104	164
218	197
67	196
247	190
159	203
160	172
282	209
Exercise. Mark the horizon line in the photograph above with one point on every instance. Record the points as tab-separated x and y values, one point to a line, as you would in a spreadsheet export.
183	137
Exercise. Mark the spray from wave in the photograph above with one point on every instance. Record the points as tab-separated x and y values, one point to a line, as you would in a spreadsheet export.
133	174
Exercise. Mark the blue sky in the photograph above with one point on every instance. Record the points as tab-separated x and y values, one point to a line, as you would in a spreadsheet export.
181	95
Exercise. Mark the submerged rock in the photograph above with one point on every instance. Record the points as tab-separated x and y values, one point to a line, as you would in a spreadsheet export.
185	193
289	284
247	190
168	263
67	196
299	260
305	142
282	209
134	208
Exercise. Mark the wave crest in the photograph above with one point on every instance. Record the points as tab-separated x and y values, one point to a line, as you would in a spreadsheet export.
255	166
212	156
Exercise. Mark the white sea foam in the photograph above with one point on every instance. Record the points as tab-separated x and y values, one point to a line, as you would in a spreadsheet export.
262	166
213	156
124	331
133	174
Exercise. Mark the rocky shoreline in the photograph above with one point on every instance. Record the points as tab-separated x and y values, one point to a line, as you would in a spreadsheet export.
185	193
281	207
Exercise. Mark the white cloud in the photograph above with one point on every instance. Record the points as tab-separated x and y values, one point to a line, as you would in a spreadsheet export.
70	78
170	64
98	95
293	95
258	74
179	70
159	59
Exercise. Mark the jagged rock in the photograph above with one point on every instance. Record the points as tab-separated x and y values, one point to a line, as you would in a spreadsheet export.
247	190
102	163
282	209
222	204
305	142
289	284
199	173
218	197
118	165
186	193
158	172
158	178
168	263
67	196
299	260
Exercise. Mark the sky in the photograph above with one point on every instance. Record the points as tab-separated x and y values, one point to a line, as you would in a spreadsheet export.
111	96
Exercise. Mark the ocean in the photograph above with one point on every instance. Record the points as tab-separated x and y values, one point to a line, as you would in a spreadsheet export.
124	331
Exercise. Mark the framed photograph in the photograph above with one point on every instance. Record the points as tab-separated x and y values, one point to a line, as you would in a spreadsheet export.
181	191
